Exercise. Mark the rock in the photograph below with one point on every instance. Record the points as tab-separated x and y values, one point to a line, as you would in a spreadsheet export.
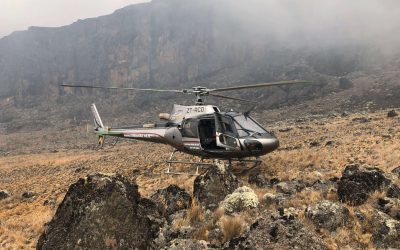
361	119
288	213
358	182
241	199
270	199
390	206
273	232
173	199
386	231
285	129
28	194
314	144
258	179
214	185
330	143
50	202
328	215
4	194
396	171
392	113
100	212
393	191
187	244
290	187
345	83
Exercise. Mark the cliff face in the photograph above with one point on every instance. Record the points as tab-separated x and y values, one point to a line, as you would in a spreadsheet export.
174	44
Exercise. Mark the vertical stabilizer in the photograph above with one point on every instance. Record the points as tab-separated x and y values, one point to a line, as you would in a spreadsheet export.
97	120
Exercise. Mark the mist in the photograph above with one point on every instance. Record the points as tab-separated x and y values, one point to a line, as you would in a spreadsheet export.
370	23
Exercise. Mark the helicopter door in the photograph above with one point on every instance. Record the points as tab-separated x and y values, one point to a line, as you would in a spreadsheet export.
226	133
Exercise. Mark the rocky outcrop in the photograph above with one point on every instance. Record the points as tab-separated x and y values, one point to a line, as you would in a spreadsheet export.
214	185
172	199
328	215
358	182
102	212
276	232
241	199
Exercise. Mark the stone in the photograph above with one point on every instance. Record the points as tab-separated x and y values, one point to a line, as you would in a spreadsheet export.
172	198
396	171
385	231
273	232
392	113
28	194
241	199
290	187
258	179
393	191
270	199
211	187
4	194
187	244
390	206
328	215
103	211
289	213
358	182
361	119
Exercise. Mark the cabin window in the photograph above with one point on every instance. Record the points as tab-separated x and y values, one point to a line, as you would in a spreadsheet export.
189	128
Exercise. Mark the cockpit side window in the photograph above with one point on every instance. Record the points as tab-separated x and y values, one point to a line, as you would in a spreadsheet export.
225	125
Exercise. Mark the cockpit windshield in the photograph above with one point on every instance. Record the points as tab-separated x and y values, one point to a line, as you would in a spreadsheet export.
246	126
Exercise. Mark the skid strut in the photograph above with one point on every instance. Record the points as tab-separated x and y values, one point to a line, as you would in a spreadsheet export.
197	164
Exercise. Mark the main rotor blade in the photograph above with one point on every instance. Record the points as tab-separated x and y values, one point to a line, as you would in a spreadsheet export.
231	98
259	85
120	88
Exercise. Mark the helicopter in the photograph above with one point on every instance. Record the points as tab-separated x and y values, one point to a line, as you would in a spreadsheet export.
199	130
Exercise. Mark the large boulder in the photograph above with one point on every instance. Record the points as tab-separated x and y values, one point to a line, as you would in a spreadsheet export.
273	231
214	185
102	212
358	182
241	199
172	199
328	215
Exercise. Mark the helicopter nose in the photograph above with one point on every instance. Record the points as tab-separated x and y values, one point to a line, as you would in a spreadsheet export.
270	144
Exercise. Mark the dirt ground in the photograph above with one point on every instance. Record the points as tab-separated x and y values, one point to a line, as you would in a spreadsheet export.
47	163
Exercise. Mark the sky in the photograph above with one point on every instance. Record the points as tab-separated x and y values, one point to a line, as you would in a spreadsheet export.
20	14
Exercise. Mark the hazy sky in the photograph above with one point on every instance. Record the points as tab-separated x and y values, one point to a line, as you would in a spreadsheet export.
20	14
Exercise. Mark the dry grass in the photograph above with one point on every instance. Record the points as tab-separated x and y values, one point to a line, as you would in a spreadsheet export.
231	226
31	166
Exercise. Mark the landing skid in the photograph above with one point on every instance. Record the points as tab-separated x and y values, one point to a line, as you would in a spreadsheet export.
197	164
200	164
